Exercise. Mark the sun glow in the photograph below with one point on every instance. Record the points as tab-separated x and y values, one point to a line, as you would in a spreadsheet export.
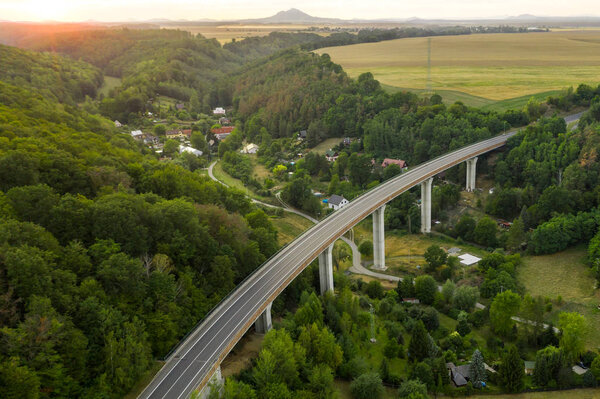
43	10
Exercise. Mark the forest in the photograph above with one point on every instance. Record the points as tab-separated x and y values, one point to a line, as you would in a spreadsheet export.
107	257
110	252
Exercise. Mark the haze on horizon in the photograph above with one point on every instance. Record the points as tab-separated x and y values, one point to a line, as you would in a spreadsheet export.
138	10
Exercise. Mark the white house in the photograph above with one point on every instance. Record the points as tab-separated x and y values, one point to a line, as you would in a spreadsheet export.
250	149
219	111
137	134
118	124
191	150
337	202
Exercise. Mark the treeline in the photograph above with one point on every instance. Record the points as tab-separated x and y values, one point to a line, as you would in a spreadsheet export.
107	256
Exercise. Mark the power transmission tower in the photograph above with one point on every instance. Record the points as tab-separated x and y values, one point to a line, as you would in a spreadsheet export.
428	87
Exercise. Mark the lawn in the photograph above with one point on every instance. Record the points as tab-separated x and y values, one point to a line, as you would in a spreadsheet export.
223	176
290	226
110	82
487	67
567	275
404	252
322	147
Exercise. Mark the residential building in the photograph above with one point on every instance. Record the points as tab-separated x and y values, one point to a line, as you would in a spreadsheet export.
223	132
219	111
250	149
137	134
331	155
302	135
191	150
179	134
337	202
118	124
224	121
180	106
389	161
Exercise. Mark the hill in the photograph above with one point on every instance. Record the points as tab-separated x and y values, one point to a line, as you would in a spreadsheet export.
292	16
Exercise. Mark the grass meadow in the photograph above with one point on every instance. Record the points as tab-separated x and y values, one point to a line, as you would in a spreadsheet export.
481	69
565	274
110	82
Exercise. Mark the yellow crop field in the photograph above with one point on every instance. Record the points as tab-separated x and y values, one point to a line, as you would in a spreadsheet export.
488	66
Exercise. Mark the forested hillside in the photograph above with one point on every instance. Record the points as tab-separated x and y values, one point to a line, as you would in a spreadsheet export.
107	256
55	78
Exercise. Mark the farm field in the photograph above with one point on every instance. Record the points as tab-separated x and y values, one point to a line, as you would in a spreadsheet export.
567	275
480	69
228	32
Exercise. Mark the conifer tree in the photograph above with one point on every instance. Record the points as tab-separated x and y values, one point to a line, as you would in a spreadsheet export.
477	369
419	343
512	370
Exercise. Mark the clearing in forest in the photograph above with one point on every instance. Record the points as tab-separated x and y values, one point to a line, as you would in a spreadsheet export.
565	274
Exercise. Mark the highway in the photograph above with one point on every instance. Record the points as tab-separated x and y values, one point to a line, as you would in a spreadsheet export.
199	355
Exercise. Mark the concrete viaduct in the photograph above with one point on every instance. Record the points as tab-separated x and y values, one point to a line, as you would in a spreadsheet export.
198	357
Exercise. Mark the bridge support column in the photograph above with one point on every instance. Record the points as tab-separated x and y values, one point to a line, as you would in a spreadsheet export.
471	174
426	206
326	269
379	239
263	324
215	383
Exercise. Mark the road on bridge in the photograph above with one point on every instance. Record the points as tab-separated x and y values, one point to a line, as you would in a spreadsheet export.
200	354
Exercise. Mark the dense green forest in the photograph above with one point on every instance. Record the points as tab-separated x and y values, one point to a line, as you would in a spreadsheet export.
107	257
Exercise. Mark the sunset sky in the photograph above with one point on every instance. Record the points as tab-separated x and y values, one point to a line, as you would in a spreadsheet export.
124	10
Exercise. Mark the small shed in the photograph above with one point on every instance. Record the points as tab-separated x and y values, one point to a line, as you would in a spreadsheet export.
468	259
529	367
454	251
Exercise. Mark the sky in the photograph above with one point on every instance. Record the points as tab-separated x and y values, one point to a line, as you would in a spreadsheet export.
125	10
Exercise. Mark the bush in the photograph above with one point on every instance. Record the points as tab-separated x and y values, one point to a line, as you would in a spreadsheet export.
367	386
374	289
366	248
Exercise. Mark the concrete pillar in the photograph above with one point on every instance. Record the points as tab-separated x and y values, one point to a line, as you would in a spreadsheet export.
426	206
471	174
326	269
379	239
263	324
214	383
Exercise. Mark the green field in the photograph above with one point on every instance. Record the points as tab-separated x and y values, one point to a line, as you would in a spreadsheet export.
567	275
323	146
110	82
290	226
491	70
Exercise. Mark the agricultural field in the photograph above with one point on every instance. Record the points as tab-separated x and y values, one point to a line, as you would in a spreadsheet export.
484	70
228	32
565	274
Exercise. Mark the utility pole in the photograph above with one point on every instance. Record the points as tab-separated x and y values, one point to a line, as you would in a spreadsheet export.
428	86
372	311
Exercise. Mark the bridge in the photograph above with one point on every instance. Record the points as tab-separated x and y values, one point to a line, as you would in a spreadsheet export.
198	357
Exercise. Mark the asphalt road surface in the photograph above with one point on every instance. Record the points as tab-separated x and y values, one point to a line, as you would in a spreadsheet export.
196	358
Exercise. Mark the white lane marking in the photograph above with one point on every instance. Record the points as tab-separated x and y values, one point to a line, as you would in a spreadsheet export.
387	187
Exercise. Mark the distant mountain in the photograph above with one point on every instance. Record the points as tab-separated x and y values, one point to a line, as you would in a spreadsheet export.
292	16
